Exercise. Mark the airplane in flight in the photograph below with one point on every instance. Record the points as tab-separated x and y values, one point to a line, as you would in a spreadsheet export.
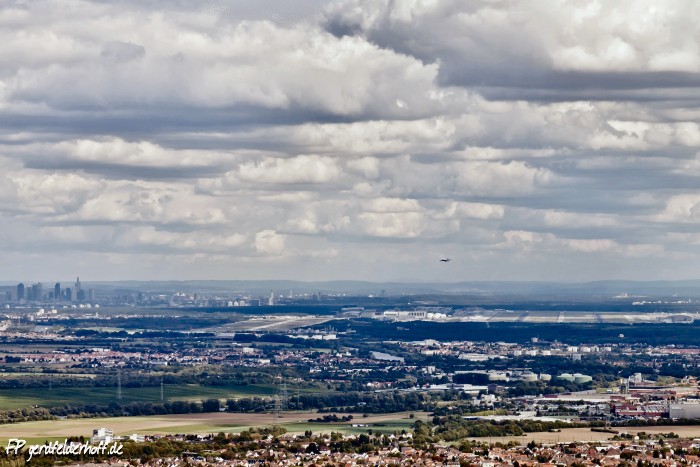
445	260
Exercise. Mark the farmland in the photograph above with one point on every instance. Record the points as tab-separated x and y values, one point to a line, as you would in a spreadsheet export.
102	396
572	435
295	422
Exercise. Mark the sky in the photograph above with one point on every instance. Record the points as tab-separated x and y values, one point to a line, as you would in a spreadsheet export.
350	139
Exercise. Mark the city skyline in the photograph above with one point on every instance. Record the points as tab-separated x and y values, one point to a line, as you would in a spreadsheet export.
34	292
340	140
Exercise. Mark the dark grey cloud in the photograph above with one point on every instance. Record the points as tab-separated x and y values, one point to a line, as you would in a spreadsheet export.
122	51
122	171
514	51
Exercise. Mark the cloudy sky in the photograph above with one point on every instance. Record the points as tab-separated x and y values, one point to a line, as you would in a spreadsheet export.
349	139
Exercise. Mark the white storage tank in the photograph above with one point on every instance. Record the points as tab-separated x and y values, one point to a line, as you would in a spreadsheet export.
528	377
498	376
582	379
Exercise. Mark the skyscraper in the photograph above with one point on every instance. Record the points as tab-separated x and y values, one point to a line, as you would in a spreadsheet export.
57	291
37	292
20	291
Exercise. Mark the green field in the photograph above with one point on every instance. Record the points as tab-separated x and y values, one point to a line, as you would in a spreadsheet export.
42	397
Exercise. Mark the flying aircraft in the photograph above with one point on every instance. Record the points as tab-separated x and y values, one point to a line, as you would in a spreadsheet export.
445	260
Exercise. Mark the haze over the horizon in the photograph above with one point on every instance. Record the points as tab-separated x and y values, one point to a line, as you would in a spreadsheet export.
350	139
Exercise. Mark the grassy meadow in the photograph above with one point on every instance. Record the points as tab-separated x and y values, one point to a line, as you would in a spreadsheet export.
43	397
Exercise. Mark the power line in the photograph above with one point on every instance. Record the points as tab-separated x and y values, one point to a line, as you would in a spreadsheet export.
119	384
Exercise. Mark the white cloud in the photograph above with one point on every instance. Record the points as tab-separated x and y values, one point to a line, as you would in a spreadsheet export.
578	220
296	170
367	166
474	210
270	243
591	245
155	203
682	208
149	237
378	136
499	179
43	193
597	36
546	243
392	205
391	224
172	59
111	150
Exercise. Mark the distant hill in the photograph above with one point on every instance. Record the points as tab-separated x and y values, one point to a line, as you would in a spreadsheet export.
607	288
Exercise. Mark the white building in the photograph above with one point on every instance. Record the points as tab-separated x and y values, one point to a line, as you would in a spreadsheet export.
102	434
684	411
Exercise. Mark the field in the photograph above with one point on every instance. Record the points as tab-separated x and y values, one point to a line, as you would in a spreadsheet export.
294	422
43	375
42	397
568	435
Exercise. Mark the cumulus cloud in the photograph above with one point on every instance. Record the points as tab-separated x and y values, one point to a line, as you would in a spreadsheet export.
153	203
552	46
172	59
474	210
367	166
269	242
350	139
299	169
681	208
392	224
150	239
27	191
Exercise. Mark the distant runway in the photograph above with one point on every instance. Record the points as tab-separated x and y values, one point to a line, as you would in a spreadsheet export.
277	323
573	317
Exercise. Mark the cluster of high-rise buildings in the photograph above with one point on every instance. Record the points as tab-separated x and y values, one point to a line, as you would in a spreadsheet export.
22	293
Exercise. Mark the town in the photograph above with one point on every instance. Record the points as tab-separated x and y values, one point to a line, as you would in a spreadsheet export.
373	380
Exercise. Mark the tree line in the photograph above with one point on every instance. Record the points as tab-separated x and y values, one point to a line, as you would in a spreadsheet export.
388	402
